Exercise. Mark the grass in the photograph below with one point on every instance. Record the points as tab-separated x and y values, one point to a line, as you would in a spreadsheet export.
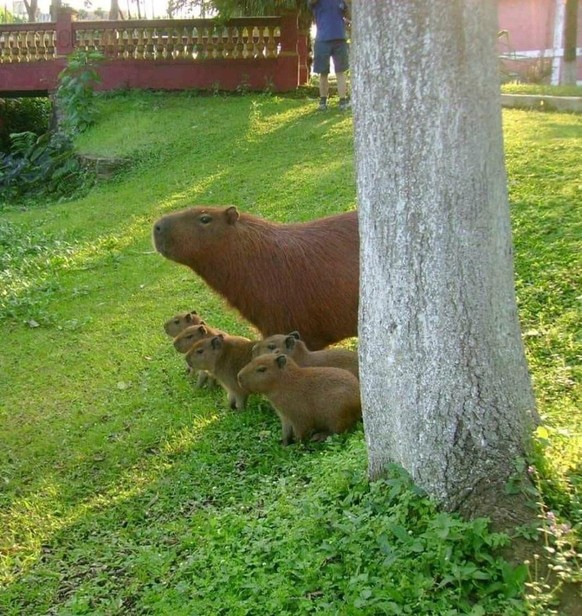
539	88
123	491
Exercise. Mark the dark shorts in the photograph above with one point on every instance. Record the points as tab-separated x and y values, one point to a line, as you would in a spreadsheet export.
324	50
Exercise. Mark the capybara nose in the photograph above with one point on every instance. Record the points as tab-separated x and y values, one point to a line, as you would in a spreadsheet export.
159	233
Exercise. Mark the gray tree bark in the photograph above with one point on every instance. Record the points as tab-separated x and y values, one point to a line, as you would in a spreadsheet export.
114	10
570	68
445	386
31	7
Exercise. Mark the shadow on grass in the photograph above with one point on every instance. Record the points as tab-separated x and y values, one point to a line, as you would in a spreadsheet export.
187	493
133	478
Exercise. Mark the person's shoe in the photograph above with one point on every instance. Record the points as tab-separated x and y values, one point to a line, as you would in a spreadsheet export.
322	105
344	104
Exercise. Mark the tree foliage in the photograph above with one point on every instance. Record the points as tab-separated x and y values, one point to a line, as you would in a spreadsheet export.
238	8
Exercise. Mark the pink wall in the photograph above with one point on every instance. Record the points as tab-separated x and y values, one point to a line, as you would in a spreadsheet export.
530	23
530	26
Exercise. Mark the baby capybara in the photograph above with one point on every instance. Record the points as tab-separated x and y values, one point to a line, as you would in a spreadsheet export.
310	402
224	356
292	346
281	277
187	338
181	321
175	326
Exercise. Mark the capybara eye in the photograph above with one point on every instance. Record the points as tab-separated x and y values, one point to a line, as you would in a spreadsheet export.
200	351
177	321
272	347
189	336
205	219
261	369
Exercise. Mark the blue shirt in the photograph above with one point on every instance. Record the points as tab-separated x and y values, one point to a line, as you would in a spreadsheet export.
329	19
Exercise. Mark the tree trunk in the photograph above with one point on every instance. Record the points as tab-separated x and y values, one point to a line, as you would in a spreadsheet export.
114	10
445	386
54	9
569	72
31	7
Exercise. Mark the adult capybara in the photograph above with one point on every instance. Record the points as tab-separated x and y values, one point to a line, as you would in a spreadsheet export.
224	357
187	338
181	321
292	346
310	402
281	277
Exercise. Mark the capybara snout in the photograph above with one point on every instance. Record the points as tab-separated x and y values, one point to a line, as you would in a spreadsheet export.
193	234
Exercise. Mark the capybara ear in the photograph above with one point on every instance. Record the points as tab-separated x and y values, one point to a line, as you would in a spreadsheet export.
295	335
281	360
216	342
290	341
193	312
231	215
202	329
189	318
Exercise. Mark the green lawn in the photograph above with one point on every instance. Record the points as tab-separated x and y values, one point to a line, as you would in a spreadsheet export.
125	491
514	87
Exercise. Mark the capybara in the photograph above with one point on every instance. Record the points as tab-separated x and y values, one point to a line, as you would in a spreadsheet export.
224	356
181	321
310	402
175	326
280	277
292	346
186	339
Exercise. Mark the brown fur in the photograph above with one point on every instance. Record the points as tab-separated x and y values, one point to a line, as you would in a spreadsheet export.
224	356
281	277
292	346
310	402
187	338
181	321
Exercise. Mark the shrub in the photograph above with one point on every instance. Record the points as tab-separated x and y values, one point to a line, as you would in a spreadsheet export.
74	94
23	114
40	166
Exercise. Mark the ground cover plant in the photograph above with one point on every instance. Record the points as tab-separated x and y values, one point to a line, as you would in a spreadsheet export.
124	491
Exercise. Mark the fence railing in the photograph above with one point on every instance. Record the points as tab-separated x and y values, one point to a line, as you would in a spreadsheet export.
28	42
182	39
161	53
194	39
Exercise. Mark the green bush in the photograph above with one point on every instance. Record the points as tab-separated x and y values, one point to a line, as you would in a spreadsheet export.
74	94
39	166
18	115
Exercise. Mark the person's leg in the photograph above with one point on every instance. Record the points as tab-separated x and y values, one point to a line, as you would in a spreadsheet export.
324	85
321	58
323	90
342	85
341	64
